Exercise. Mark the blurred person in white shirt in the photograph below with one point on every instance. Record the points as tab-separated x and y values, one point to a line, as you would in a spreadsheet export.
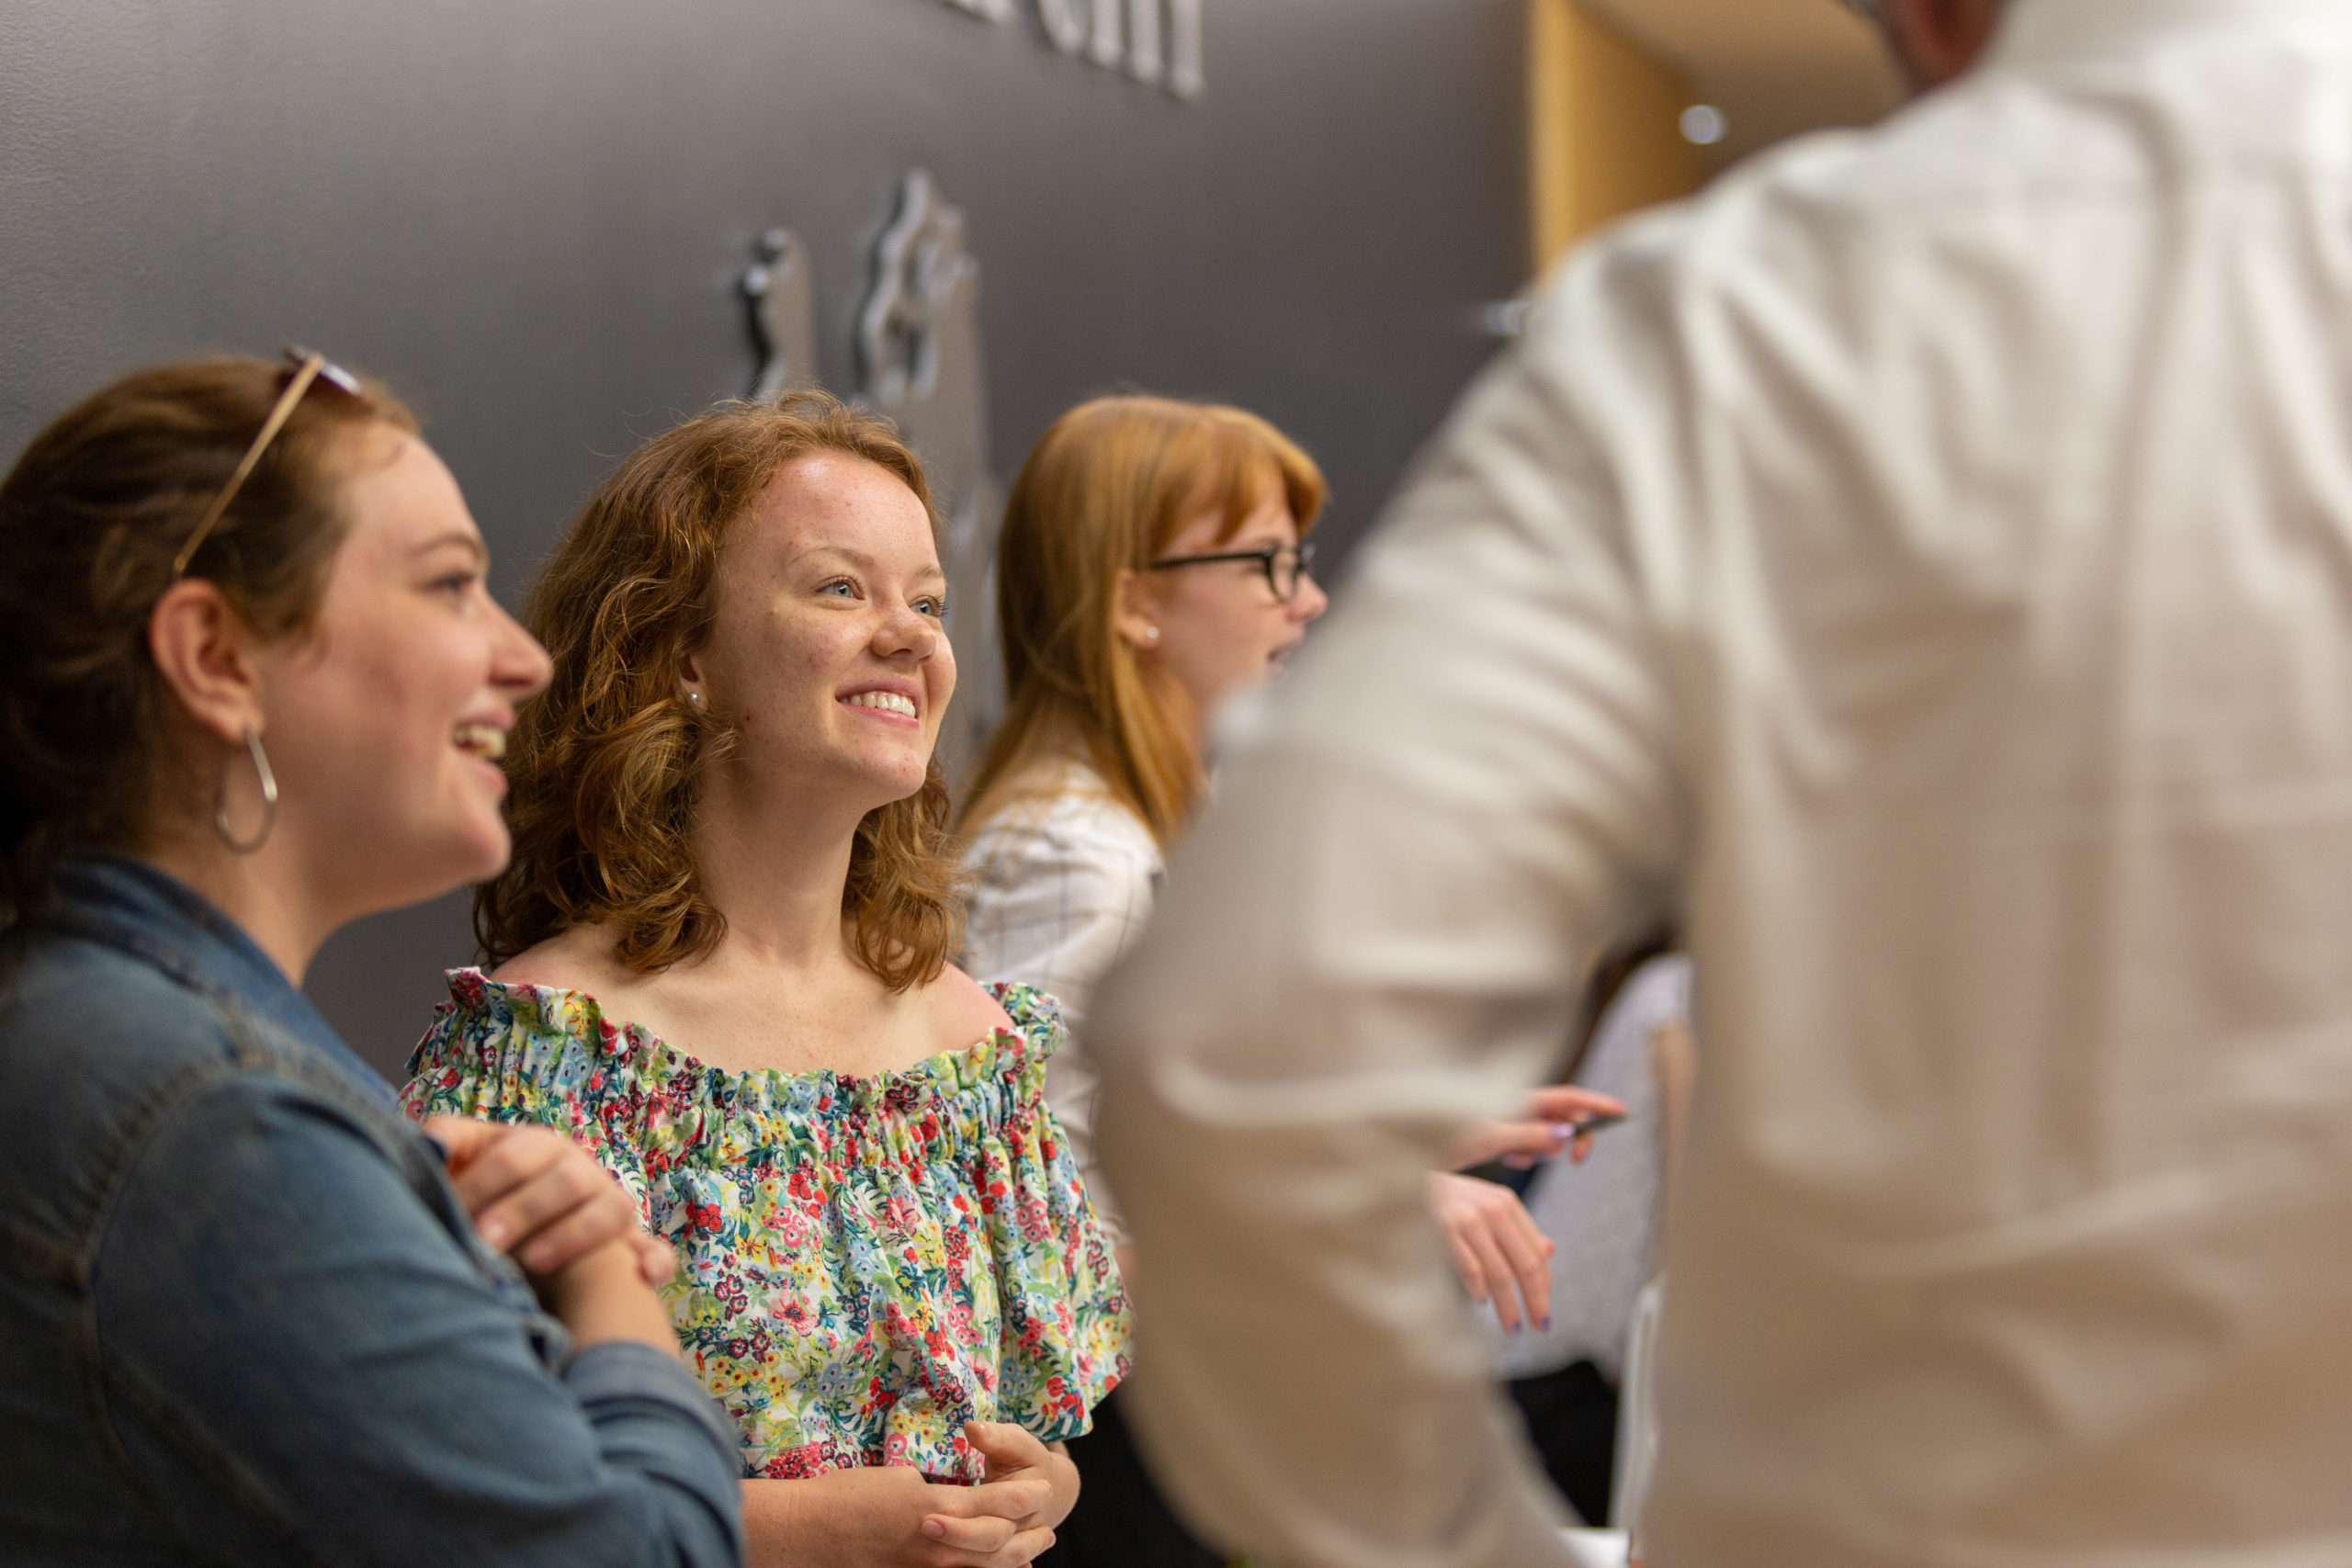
1925	557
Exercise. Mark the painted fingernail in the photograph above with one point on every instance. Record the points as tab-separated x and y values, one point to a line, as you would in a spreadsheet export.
1565	1129
1543	1325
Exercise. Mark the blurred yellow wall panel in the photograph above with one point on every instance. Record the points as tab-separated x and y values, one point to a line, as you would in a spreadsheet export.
1604	125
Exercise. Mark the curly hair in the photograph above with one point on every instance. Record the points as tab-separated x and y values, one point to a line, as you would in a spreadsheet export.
90	517
607	764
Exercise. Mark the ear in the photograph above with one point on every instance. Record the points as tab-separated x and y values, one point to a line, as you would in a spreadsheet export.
1134	616
207	655
1937	40
691	676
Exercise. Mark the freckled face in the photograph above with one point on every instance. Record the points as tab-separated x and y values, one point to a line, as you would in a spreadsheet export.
828	652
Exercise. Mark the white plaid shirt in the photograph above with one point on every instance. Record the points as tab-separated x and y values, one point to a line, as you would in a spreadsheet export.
1066	882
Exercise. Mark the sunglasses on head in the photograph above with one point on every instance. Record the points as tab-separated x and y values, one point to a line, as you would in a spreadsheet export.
304	370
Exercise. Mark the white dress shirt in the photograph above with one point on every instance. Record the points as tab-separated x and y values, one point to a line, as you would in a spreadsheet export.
1927	554
1063	881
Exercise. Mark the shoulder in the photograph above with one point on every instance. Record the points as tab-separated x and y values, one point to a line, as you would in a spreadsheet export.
1077	835
1072	809
581	959
961	1010
1032	1011
503	1046
1788	253
62	996
557	989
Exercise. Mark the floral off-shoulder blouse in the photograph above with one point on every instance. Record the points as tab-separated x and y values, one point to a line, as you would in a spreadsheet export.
865	1264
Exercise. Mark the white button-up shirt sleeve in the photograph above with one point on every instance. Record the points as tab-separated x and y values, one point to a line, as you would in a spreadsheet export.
1374	936
1932	550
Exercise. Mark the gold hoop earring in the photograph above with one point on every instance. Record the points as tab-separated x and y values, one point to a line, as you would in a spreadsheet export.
268	799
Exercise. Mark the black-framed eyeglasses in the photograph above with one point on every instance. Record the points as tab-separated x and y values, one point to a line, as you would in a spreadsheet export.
303	368
1285	566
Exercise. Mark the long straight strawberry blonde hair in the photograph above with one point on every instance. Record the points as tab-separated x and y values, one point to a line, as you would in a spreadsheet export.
1103	491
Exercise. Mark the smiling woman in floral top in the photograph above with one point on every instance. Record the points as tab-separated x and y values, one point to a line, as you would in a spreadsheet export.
722	964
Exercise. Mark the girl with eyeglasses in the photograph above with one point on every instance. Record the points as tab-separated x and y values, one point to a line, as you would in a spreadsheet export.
1154	565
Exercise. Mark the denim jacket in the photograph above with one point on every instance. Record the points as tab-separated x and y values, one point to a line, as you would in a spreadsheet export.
244	1319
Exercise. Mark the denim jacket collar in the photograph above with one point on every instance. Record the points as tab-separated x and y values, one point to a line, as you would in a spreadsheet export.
142	911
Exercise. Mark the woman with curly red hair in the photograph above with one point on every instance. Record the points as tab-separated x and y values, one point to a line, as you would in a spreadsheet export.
721	959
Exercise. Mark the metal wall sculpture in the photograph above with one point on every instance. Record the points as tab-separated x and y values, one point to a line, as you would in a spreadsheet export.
920	361
780	294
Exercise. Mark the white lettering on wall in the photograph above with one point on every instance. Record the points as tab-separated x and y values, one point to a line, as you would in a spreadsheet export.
1157	42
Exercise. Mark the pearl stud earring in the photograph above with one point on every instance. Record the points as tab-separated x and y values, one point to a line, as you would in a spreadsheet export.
1152	634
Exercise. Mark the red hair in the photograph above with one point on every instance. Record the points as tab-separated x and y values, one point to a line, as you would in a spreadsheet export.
608	763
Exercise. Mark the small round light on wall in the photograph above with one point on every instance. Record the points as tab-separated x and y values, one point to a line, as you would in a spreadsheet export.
1703	125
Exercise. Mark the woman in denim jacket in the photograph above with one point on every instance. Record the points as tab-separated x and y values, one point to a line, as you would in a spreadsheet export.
257	688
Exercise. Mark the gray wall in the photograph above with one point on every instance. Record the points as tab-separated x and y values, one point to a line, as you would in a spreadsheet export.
529	216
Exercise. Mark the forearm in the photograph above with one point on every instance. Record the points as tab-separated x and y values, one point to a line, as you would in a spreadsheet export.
775	1524
408	1418
847	1519
656	1427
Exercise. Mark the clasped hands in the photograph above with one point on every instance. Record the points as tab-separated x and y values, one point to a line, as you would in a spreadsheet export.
544	1200
892	1518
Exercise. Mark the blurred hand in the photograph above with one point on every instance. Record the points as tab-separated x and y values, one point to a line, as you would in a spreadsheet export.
1497	1251
540	1197
1549	1126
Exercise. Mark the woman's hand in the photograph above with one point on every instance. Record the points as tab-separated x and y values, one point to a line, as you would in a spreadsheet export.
1549	1126
887	1517
541	1197
1015	1454
1497	1249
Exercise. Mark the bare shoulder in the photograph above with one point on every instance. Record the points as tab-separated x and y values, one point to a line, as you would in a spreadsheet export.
580	959
961	1010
